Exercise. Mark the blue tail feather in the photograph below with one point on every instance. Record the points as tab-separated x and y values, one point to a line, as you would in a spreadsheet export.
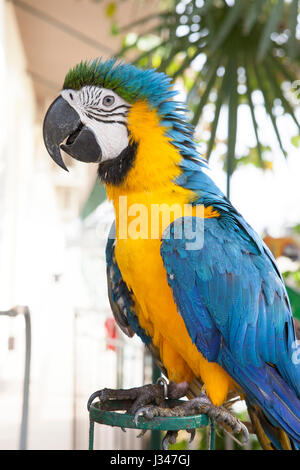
265	387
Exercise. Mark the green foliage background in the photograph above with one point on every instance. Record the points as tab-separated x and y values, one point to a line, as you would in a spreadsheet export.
223	51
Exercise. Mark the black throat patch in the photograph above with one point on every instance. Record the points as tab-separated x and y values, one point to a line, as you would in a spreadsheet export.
115	170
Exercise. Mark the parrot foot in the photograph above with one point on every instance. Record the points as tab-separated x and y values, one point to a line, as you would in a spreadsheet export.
199	405
139	397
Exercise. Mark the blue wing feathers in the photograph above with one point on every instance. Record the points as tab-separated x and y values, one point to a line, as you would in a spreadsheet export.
120	297
234	304
235	293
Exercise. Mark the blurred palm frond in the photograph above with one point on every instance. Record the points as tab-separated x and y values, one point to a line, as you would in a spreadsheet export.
224	51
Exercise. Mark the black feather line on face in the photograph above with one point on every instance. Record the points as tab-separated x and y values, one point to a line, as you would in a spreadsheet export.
95	108
105	121
115	170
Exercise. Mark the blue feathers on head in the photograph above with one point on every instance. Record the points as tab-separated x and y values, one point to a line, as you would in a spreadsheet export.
133	84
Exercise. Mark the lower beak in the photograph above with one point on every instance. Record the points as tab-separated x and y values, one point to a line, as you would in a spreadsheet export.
63	122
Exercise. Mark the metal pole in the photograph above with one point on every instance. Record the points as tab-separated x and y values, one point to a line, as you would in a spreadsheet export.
212	440
23	310
155	442
24	423
74	426
91	434
228	182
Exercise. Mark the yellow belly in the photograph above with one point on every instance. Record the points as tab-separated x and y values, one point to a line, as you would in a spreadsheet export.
151	182
142	269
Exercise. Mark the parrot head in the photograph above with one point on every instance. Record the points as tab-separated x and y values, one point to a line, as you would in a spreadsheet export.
107	109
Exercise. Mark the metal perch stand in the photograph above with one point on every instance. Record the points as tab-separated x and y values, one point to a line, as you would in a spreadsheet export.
107	413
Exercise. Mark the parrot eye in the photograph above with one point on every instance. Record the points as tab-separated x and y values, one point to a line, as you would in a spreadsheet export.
108	100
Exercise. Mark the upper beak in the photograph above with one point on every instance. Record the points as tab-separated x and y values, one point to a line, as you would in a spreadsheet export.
63	122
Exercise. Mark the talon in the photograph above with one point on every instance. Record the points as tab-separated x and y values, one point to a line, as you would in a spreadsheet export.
170	438
165	443
161	381
142	433
146	411
232	425
245	434
92	398
137	397
139	412
192	432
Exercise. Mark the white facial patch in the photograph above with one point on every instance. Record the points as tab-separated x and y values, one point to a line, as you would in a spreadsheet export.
105	113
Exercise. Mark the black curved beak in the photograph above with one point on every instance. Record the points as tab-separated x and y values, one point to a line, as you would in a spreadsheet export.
63	122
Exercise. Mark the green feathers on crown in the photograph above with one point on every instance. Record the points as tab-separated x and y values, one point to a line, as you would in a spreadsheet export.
129	82
133	84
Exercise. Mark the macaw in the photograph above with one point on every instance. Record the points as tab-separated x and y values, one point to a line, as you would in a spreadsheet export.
200	288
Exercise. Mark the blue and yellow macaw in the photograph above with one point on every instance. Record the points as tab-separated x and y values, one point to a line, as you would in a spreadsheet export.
215	316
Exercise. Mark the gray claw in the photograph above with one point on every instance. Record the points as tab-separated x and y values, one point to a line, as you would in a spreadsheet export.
170	438
242	430
165	443
142	433
92	398
245	434
192	432
139	412
146	411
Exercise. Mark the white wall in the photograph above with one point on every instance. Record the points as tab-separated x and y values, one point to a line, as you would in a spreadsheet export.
32	250
51	263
